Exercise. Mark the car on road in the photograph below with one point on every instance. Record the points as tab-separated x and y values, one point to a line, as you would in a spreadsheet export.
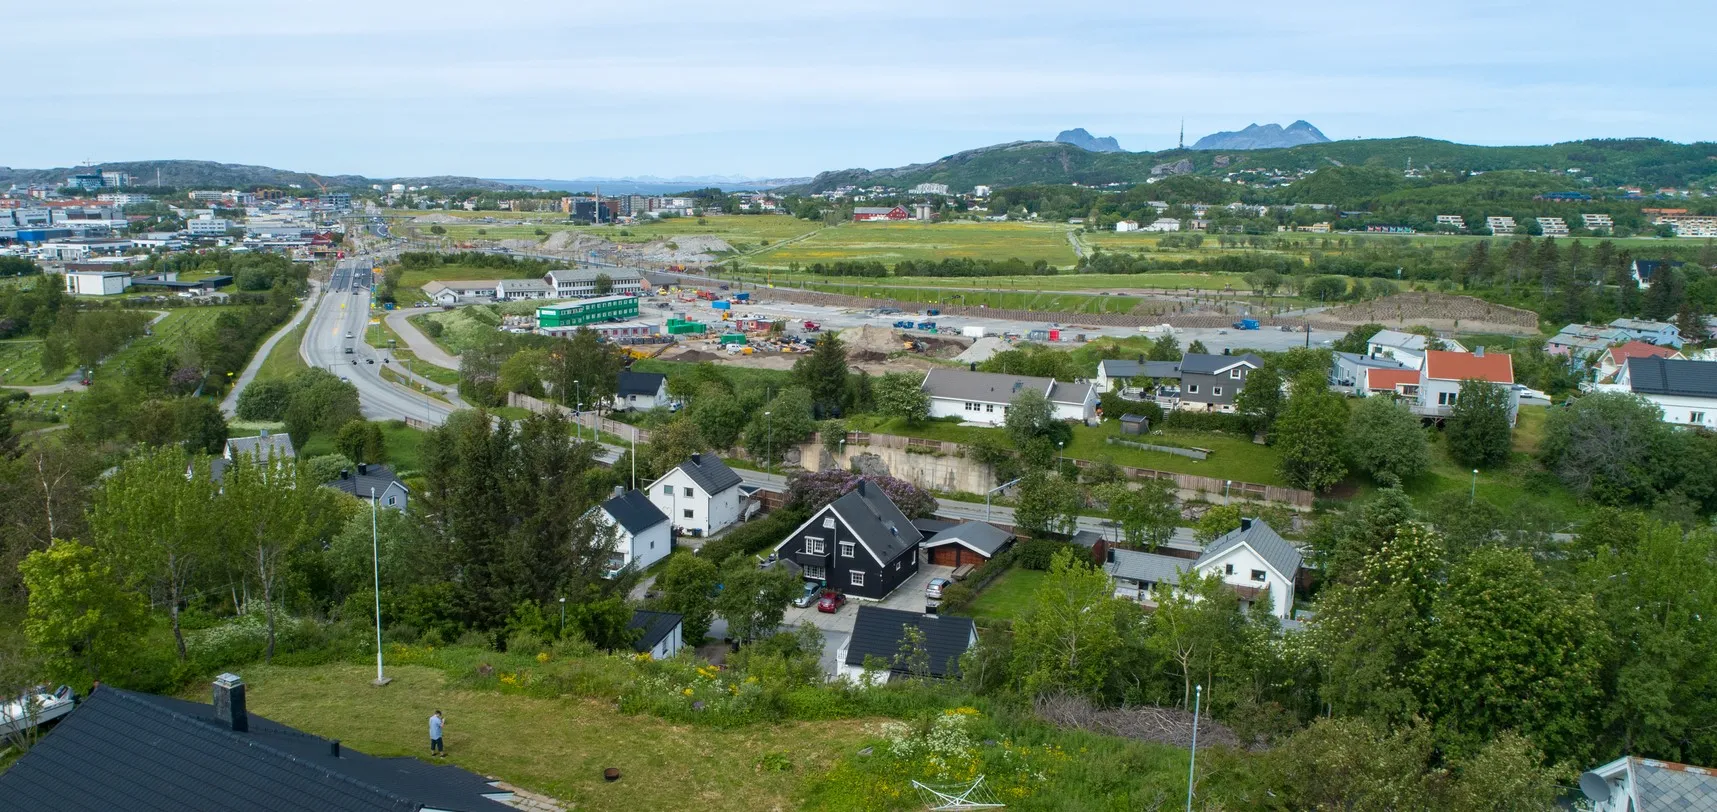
348	335
807	597
933	590
831	602
348	350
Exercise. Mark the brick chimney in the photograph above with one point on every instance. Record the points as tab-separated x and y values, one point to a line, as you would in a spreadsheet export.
229	702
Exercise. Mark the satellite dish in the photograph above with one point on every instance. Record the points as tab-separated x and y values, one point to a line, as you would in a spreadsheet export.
1595	787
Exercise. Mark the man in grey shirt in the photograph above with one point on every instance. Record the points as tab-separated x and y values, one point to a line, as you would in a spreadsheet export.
435	735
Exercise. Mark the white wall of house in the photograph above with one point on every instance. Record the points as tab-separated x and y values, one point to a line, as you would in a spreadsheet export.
1410	358
670	645
1439	394
1242	566
1076	411
989	414
690	508
1681	410
627	403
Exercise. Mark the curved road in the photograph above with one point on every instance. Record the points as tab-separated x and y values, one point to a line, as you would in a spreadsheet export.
334	341
419	344
229	406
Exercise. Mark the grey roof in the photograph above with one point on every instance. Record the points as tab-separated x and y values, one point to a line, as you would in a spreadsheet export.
1153	568
634	511
1199	363
709	473
1257	534
262	446
1668	376
523	284
126	750
877	521
641	383
984	537
575	275
1662	785
358	481
656	626
996	387
1642	325
1367	361
1120	368
873	209
1395	338
878	632
930	525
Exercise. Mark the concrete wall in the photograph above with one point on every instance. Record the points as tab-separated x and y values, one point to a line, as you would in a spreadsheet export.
936	472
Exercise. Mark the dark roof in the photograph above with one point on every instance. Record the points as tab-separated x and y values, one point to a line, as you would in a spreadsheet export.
709	473
1263	539
1122	368
358	481
125	750
1134	418
931	525
878	632
656	626
633	511
1135	565
1199	363
641	383
1667	376
877	521
980	536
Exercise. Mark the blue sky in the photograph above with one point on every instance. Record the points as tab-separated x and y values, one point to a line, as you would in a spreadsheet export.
763	88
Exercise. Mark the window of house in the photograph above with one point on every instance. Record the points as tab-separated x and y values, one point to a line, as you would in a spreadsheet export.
816	573
393	500
1695	417
847	549
1216	391
815	546
1235	372
1447	398
858	578
1192	388
688	492
1227	569
687	512
1259	575
989	407
829	522
667	490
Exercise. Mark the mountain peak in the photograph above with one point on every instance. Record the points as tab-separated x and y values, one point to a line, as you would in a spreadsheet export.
1080	138
1267	136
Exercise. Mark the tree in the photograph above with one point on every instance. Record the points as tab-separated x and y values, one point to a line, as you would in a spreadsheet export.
1479	430
720	416
81	618
1067	636
153	521
361	441
270	510
670	444
1165	348
1197	347
1193	624
898	394
1512	651
1372	626
1385	441
688	587
602	285
1309	435
1610	446
1047	504
199	424
1146	517
1358	339
1031	415
823	373
1218	521
785	422
1260	397
264	400
753	600
584	370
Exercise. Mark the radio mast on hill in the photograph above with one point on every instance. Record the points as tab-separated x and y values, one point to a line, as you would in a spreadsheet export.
1182	134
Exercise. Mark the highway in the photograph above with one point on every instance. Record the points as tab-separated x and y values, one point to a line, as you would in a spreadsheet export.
335	342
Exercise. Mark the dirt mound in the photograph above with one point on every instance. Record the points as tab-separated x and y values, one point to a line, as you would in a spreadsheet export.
689	355
437	219
690	249
871	339
1437	310
517	245
558	241
982	349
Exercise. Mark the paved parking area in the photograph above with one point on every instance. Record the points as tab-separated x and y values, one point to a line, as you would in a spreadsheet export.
837	627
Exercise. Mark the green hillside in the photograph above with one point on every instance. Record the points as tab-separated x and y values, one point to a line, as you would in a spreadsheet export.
1608	162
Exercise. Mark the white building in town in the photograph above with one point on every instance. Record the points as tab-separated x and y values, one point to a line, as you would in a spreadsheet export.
700	496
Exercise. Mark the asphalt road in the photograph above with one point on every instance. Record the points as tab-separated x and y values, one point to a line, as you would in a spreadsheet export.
420	345
229	406
335	340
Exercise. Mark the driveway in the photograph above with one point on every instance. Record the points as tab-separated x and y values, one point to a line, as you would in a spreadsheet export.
837	628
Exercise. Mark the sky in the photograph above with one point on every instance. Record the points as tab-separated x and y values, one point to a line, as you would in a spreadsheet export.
760	88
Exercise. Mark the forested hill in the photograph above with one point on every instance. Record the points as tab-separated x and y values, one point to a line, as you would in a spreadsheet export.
185	174
1608	162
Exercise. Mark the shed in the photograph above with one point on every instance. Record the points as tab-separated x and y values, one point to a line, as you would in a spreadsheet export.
1135	424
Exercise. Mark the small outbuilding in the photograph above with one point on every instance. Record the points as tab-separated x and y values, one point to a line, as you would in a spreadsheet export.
971	542
1135	424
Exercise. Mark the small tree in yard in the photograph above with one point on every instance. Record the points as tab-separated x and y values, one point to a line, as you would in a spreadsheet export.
1479	432
1309	435
1386	441
1030	415
1047	504
1146	517
688	588
83	620
898	394
753	600
1070	631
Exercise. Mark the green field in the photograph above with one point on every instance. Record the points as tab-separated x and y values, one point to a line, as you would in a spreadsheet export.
21	364
402	446
284	361
742	231
892	242
1008	595
182	324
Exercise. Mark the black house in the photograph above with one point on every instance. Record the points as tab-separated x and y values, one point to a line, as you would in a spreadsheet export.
125	750
859	544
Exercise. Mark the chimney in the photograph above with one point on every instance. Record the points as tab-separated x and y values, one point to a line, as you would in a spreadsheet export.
1478	352
1245	524
334	748
1109	555
862	489
263	434
345	473
229	702
697	459
363	468
619	491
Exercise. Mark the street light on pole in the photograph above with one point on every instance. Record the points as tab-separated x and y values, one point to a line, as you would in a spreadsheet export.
1003	486
376	566
769	445
1192	757
578	414
1473	497
563	617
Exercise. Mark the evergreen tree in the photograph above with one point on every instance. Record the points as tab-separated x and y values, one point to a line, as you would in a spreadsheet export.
823	373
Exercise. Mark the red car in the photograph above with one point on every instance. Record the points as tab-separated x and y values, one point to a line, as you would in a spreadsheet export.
831	602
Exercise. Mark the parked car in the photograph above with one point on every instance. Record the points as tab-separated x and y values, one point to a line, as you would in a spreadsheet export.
934	589
831	602
808	597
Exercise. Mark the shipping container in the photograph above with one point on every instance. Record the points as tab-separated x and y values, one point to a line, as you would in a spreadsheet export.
721	305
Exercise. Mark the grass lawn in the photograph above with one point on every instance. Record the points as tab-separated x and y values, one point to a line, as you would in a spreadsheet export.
1501	486
182	324
1008	595
402	443
555	746
284	361
1064	281
892	242
742	231
21	364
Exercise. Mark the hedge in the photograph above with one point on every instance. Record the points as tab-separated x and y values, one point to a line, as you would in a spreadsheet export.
752	537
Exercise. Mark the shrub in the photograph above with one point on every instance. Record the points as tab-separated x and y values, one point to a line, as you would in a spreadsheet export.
477	639
1207	421
1036	554
752	537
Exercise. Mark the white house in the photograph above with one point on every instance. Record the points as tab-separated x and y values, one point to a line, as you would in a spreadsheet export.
1163	224
1350	373
511	290
97	283
642	535
454	291
1686	391
701	495
662	634
1127	225
641	391
1443	373
1407	348
1634	784
983	397
582	282
1252	560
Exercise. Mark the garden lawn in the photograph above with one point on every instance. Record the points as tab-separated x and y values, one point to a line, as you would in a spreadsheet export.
402	443
1506	485
1234	457
892	242
1007	596
558	747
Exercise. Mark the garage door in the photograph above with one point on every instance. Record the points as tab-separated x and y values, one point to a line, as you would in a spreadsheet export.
947	555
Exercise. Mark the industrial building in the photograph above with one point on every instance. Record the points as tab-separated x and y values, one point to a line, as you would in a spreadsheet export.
587	311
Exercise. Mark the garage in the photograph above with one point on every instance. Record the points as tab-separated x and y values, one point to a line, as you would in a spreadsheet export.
967	543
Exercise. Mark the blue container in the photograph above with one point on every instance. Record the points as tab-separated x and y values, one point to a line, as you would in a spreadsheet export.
721	305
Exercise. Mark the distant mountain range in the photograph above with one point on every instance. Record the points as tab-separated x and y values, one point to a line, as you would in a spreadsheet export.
1269	136
1608	162
1080	138
650	184
211	174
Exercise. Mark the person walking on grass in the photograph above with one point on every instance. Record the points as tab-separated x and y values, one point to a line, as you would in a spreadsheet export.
435	722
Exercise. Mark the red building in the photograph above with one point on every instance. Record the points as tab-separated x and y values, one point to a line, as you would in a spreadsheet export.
863	213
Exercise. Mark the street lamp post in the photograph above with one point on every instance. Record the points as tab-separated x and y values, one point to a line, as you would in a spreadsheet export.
578	416
769	445
563	617
1192	757
1226	484
1003	486
1474	496
376	567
